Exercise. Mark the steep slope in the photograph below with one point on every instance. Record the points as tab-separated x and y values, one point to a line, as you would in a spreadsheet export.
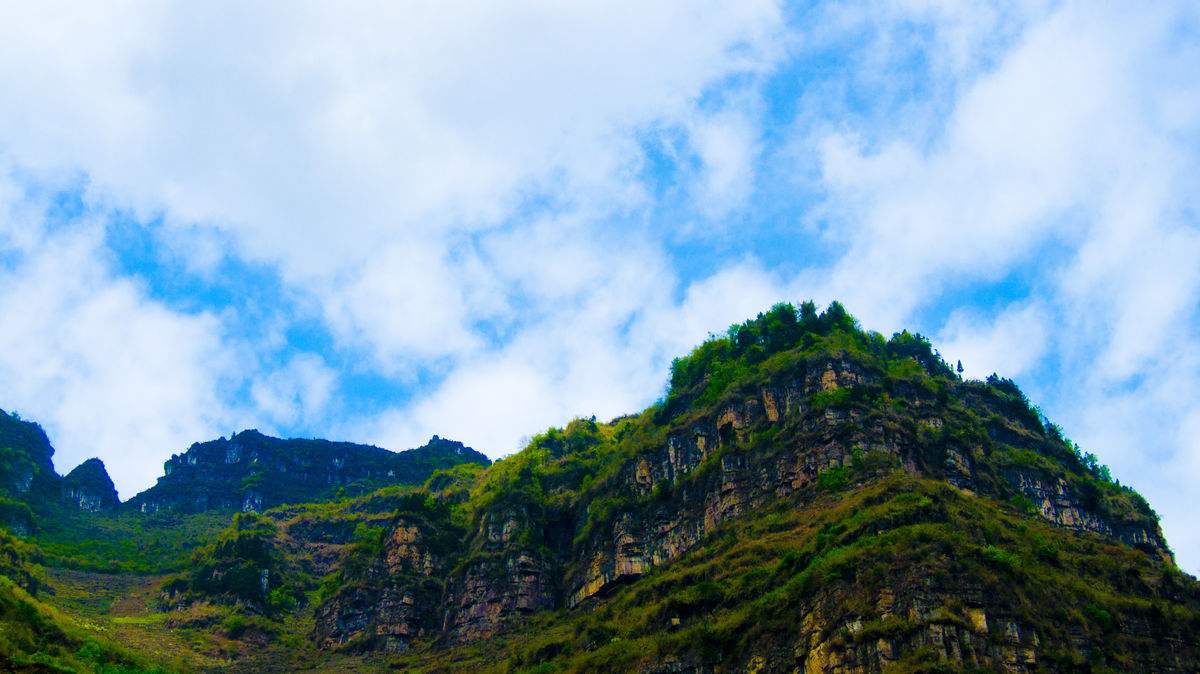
807	496
936	514
35	637
89	486
30	489
251	471
27	476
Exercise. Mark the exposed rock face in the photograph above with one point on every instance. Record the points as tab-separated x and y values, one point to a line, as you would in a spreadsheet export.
90	488
251	472
734	482
507	577
396	597
26	465
738	481
28	438
713	468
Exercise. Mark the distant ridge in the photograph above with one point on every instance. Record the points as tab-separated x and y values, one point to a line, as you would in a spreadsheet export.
251	471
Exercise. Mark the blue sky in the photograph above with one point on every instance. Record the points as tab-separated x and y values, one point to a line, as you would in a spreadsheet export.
391	222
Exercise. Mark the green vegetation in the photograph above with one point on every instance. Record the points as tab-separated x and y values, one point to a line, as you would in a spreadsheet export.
820	481
245	566
36	637
125	542
743	589
783	338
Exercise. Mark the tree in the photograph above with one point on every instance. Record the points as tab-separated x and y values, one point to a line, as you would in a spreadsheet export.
959	368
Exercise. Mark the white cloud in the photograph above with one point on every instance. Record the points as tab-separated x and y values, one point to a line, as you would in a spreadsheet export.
107	371
606	354
296	393
727	145
1011	342
317	133
406	303
369	155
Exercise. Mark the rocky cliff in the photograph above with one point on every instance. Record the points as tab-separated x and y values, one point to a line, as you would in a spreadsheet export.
588	513
90	488
252	472
26	465
29	486
807	496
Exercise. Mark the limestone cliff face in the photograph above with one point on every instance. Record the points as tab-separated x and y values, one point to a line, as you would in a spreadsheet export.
28	459
715	473
392	596
508	575
731	483
90	488
27	477
769	443
252	472
429	579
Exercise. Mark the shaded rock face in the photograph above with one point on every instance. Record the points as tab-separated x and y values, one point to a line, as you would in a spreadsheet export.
252	472
425	584
733	483
27	474
28	482
90	488
980	635
26	459
736	481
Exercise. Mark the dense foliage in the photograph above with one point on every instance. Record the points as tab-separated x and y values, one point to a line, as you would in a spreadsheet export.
244	566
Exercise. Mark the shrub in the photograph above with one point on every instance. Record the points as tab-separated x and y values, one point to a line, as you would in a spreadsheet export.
833	478
1000	557
1100	616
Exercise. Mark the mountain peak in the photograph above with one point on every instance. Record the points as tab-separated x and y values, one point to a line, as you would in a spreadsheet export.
251	471
90	487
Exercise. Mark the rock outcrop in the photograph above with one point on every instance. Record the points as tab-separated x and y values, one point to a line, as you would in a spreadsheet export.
252	472
28	483
393	590
807	497
90	488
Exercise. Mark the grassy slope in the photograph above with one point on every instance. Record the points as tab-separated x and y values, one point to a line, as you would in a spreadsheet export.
128	542
742	588
35	637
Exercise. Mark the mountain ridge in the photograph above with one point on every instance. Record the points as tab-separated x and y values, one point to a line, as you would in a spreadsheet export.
253	471
807	496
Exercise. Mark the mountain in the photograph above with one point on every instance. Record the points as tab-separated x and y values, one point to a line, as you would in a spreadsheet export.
26	471
90	487
29	486
807	496
252	471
